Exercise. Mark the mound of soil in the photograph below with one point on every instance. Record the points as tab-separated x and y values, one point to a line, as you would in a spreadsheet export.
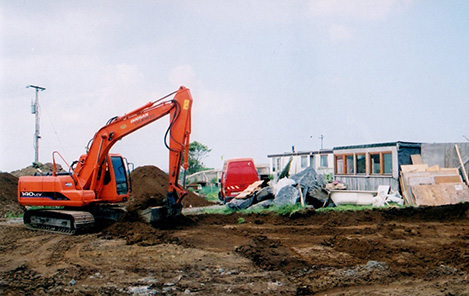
8	199
135	232
149	189
31	170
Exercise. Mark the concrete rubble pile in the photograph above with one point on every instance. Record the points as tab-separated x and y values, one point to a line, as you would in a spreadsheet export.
306	188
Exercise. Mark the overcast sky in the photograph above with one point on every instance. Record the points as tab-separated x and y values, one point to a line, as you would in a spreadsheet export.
264	75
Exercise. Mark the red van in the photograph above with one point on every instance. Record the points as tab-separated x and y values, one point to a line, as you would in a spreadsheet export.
236	176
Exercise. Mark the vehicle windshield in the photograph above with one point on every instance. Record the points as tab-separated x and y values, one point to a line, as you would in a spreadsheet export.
120	175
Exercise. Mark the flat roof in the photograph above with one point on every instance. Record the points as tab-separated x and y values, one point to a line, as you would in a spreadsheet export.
401	144
300	153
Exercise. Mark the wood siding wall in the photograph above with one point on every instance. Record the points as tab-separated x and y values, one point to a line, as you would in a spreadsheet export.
368	182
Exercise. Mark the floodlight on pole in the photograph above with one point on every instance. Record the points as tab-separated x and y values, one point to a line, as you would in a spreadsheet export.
35	111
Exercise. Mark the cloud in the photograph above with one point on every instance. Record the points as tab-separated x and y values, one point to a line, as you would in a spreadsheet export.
182	75
340	32
343	17
208	101
361	10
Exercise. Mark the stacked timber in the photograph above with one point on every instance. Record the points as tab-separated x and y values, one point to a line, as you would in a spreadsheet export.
432	186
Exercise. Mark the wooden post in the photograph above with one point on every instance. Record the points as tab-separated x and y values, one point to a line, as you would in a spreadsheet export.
462	165
302	200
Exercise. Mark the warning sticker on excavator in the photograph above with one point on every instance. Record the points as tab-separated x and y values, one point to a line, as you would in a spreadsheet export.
186	105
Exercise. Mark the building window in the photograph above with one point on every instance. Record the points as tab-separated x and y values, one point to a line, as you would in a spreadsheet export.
339	164
275	164
349	164
375	164
387	163
381	163
344	164
324	162
304	161
361	163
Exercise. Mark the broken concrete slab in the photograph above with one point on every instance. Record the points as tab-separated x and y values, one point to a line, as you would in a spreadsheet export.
306	178
262	205
282	183
288	195
264	194
240	204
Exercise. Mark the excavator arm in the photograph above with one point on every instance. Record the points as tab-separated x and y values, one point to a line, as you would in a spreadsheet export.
179	110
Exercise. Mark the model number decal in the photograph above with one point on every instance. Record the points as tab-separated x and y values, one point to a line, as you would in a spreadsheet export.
31	194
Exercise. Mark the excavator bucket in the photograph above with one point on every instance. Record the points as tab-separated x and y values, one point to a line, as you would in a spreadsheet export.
157	215
154	215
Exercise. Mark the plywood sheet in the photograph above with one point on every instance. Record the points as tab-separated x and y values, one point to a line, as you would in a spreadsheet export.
414	168
448	179
416	159
441	194
434	168
422	178
406	192
451	171
249	190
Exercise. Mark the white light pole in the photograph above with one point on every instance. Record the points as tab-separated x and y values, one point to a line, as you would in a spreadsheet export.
35	110
322	141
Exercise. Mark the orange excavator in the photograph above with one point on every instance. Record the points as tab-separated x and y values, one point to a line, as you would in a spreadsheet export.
100	178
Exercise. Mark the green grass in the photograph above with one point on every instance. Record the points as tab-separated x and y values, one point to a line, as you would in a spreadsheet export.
211	194
283	211
355	208
19	215
222	211
11	216
286	210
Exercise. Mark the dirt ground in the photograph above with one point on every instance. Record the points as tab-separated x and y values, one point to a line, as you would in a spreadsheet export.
412	251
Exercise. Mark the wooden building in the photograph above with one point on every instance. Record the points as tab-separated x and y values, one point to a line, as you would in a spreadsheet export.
365	167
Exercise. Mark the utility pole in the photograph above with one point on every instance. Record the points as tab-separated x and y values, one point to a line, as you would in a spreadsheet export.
35	111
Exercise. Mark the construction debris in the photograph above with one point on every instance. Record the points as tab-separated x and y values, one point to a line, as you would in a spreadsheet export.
304	188
432	186
288	195
384	198
421	185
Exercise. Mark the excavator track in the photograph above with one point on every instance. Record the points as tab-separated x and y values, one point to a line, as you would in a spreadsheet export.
59	221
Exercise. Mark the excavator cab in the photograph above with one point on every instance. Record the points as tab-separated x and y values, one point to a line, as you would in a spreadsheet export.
116	183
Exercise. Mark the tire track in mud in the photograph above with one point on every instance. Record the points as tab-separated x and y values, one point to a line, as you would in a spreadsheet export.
73	256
